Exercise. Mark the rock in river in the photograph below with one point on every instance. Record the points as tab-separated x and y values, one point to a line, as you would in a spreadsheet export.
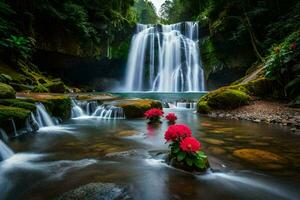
95	191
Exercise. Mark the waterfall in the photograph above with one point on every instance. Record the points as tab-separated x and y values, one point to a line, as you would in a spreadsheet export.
109	112
5	151
165	58
3	135
42	117
93	109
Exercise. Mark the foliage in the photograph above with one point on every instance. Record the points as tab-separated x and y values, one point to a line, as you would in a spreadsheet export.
281	64
145	11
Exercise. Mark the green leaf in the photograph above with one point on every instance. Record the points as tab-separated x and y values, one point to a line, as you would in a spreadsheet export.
200	163
201	154
181	156
176	149
189	161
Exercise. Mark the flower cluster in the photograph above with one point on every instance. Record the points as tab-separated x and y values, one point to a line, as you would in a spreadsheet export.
190	144
177	132
185	149
154	114
171	117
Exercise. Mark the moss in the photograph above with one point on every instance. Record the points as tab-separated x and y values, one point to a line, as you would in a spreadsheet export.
137	108
202	107
40	89
223	98
261	87
19	103
19	115
56	87
4	78
58	106
6	91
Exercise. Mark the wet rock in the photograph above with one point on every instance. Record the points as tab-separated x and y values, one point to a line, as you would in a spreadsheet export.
135	153
212	141
127	133
259	157
216	150
95	191
7	92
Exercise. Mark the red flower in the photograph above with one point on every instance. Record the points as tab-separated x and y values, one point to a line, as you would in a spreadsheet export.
171	117
293	46
177	132
154	112
190	145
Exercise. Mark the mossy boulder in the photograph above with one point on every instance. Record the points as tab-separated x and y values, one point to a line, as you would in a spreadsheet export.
7	92
56	87
18	115
260	87
40	89
135	108
223	98
19	103
4	78
262	159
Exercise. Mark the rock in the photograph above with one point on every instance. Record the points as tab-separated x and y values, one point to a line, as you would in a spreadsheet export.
127	133
4	78
212	141
259	157
135	108
95	191
217	150
135	153
7	92
257	120
56	87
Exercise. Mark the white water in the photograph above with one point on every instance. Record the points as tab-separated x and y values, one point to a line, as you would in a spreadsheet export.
165	58
42	117
5	151
92	109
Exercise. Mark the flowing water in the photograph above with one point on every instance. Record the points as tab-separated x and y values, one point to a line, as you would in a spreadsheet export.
165	58
127	153
5	151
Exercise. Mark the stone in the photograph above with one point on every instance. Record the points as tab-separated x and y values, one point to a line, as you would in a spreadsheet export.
95	191
7	92
217	150
212	141
127	133
259	157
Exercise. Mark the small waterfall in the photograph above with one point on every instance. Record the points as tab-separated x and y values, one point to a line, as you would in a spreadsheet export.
76	109
188	105
14	126
93	109
165	58
109	112
5	151
42	117
3	135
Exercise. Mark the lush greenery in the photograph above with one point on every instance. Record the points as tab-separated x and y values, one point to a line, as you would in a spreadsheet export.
146	13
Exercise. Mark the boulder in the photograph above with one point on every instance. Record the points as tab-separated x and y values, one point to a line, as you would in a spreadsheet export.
135	108
95	191
56	87
7	92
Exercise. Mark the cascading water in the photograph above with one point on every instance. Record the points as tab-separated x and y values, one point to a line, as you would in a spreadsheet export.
5	151
42	117
91	108
165	58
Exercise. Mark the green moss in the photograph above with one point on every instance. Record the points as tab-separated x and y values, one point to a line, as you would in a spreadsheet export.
4	78
40	89
261	87
202	107
6	91
56	87
137	108
58	106
19	115
223	98
19	103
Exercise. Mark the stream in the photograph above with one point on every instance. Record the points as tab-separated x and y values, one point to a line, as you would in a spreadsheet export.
127	153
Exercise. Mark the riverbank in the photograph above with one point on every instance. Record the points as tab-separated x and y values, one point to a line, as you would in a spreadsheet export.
264	111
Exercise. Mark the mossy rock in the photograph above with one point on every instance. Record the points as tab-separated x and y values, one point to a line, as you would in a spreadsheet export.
135	108
262	159
40	89
202	107
19	103
4	78
56	87
19	115
223	98
7	92
261	87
